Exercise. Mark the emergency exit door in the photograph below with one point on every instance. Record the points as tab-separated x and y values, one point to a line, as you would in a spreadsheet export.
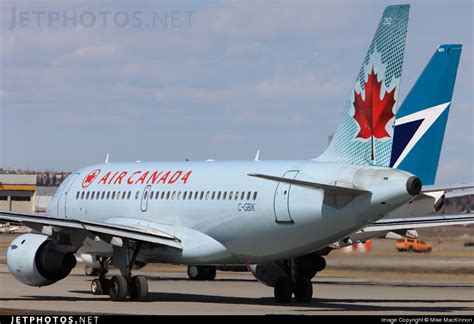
281	202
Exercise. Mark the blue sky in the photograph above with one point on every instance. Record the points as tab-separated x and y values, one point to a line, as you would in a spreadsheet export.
203	80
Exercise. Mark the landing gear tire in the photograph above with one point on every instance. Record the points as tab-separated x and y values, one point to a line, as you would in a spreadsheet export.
320	264
303	290
96	287
308	273
283	290
202	272
118	288
139	291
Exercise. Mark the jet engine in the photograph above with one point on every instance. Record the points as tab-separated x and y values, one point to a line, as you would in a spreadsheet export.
269	273
35	260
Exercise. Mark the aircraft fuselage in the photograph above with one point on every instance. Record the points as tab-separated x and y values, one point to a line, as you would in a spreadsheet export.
222	214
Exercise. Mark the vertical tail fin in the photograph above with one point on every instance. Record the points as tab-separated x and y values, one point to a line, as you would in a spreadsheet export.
364	133
421	119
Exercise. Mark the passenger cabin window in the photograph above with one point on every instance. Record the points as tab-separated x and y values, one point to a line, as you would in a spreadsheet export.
218	195
129	194
168	195
87	195
174	195
93	194
254	195
103	195
123	195
137	194
236	195
231	194
184	195
77	195
113	194
242	195
248	195
224	196
207	195
179	195
82	195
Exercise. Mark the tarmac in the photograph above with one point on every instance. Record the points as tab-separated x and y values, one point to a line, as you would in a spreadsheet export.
379	282
171	293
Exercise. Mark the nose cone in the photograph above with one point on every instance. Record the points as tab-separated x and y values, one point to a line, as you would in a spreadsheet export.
414	185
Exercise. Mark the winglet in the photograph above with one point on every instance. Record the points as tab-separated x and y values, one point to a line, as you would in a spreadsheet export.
107	159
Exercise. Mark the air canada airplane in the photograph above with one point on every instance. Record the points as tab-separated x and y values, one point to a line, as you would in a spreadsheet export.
278	217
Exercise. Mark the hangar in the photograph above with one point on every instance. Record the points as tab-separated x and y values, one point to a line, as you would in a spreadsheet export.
17	192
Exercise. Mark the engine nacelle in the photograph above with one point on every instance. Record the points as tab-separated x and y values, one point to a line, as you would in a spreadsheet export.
268	273
307	266
35	260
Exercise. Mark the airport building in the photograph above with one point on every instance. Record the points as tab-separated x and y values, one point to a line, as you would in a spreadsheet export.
43	197
17	192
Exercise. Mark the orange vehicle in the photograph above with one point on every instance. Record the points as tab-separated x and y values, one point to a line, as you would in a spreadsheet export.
410	244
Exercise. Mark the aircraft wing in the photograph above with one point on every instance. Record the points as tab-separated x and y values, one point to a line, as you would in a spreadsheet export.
447	188
47	225
394	224
337	188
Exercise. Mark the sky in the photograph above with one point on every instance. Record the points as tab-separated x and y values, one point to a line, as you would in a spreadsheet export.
171	80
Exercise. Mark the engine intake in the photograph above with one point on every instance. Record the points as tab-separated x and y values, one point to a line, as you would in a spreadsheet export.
36	261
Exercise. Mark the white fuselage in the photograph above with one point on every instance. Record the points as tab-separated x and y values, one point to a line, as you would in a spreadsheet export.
221	214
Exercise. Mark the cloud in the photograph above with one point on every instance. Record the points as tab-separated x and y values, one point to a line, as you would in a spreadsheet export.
226	139
307	86
261	19
241	70
244	48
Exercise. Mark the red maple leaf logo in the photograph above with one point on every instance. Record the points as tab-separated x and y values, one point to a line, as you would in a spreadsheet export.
89	178
372	113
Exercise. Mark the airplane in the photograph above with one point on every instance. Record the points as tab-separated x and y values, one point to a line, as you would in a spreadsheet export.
272	215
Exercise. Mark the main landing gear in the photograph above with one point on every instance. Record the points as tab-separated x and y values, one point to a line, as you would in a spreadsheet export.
119	287
298	282
202	272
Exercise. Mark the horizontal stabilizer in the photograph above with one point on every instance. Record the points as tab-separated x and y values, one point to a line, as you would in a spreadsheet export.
447	187
393	224
330	188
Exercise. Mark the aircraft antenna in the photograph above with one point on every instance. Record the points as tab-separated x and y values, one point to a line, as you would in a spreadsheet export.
257	156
